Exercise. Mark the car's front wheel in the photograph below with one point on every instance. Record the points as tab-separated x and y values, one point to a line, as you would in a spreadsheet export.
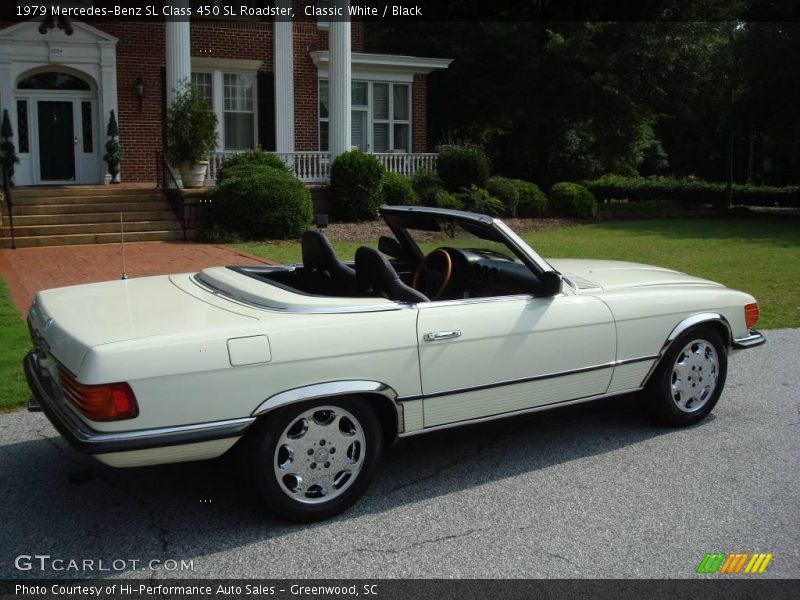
689	379
314	460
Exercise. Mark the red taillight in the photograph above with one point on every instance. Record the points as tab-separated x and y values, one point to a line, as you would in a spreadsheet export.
750	314
108	402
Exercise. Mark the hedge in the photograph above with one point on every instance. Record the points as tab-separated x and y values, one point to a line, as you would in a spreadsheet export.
462	166
571	200
356	185
248	159
696	191
396	189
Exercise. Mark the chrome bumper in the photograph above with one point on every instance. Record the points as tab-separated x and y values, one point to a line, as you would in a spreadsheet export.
752	340
47	398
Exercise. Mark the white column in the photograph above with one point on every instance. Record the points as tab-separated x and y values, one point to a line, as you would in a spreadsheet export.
339	82
284	82
179	51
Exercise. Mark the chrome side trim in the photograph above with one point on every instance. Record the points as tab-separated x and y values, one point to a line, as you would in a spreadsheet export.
328	389
683	326
322	310
80	435
608	365
753	340
515	413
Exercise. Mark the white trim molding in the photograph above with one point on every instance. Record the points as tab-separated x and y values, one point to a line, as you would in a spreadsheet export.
386	67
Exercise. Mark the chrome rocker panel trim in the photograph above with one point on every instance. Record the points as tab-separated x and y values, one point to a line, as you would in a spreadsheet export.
87	440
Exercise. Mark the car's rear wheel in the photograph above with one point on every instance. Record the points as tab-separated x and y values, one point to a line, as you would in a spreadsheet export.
689	379
314	460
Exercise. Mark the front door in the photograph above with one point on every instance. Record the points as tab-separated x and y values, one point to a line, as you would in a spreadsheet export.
492	356
56	141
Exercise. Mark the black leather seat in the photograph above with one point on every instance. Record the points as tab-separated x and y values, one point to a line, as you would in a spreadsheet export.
375	275
322	271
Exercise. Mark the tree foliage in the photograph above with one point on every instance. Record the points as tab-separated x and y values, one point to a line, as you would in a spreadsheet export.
553	101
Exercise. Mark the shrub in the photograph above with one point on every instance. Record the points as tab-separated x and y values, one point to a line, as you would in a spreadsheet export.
191	127
572	200
261	203
396	189
427	185
504	190
480	201
462	166
248	159
532	201
443	199
356	185
697	191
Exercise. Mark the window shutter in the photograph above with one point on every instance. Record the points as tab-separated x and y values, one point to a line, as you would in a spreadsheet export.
266	110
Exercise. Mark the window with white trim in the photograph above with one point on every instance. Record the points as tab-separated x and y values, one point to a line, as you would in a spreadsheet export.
380	118
233	98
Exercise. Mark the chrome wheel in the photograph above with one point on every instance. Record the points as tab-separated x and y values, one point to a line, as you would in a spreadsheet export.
694	376
319	454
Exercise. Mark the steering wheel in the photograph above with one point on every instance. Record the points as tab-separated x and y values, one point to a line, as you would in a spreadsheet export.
429	280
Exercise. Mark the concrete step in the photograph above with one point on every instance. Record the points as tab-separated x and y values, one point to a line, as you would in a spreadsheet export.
96	238
122	198
81	191
70	229
106	207
76	218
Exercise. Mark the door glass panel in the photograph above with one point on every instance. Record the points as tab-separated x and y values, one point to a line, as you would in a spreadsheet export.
400	102
380	97
323	98
401	138
358	91
86	127
358	129
380	137
22	127
56	145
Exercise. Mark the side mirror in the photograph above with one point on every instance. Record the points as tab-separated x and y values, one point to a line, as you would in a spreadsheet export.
390	247
551	283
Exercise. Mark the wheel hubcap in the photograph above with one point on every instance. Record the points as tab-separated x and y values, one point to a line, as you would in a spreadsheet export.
694	376
319	455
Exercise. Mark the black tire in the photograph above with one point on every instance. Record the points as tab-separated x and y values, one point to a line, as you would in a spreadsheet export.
306	504
663	397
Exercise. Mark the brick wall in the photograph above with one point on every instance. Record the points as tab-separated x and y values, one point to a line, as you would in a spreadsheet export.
419	114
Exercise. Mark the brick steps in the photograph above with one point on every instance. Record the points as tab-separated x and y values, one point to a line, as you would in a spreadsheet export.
56	216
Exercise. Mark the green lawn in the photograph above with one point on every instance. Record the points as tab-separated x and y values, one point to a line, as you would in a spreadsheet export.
14	343
760	255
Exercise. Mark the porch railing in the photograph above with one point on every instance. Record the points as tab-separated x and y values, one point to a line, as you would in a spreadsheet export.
315	167
168	185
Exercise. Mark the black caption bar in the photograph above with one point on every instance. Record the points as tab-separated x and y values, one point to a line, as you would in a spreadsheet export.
408	10
344	589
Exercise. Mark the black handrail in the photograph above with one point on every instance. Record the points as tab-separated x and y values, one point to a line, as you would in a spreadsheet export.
9	203
168	185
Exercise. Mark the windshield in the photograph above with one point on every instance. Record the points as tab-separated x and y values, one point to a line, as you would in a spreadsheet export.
438	232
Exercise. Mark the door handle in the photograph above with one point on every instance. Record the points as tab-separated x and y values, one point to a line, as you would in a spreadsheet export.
75	141
436	336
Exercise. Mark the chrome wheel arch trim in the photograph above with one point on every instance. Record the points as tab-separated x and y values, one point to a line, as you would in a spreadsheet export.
684	326
317	391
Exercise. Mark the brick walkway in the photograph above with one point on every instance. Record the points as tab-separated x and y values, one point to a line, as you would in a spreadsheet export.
28	270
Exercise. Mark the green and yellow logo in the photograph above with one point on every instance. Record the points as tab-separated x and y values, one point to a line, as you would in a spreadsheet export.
734	563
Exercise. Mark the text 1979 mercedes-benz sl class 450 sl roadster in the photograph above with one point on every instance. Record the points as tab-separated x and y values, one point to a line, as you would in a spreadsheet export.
312	369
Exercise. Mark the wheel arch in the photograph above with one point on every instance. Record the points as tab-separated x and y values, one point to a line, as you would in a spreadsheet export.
380	396
713	320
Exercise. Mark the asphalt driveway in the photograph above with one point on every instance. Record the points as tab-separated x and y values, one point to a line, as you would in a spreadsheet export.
586	491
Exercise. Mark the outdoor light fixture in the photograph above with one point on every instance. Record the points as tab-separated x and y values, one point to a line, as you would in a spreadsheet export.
138	91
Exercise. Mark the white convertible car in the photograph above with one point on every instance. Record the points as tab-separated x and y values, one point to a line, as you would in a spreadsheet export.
312	369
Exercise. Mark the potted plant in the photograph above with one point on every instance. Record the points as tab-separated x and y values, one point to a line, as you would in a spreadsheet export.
8	153
113	155
191	135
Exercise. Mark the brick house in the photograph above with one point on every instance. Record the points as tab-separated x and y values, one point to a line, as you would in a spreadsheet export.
303	89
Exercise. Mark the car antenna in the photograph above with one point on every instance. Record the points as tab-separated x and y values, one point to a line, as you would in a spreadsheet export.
122	245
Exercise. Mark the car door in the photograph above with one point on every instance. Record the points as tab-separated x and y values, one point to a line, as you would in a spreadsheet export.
488	356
